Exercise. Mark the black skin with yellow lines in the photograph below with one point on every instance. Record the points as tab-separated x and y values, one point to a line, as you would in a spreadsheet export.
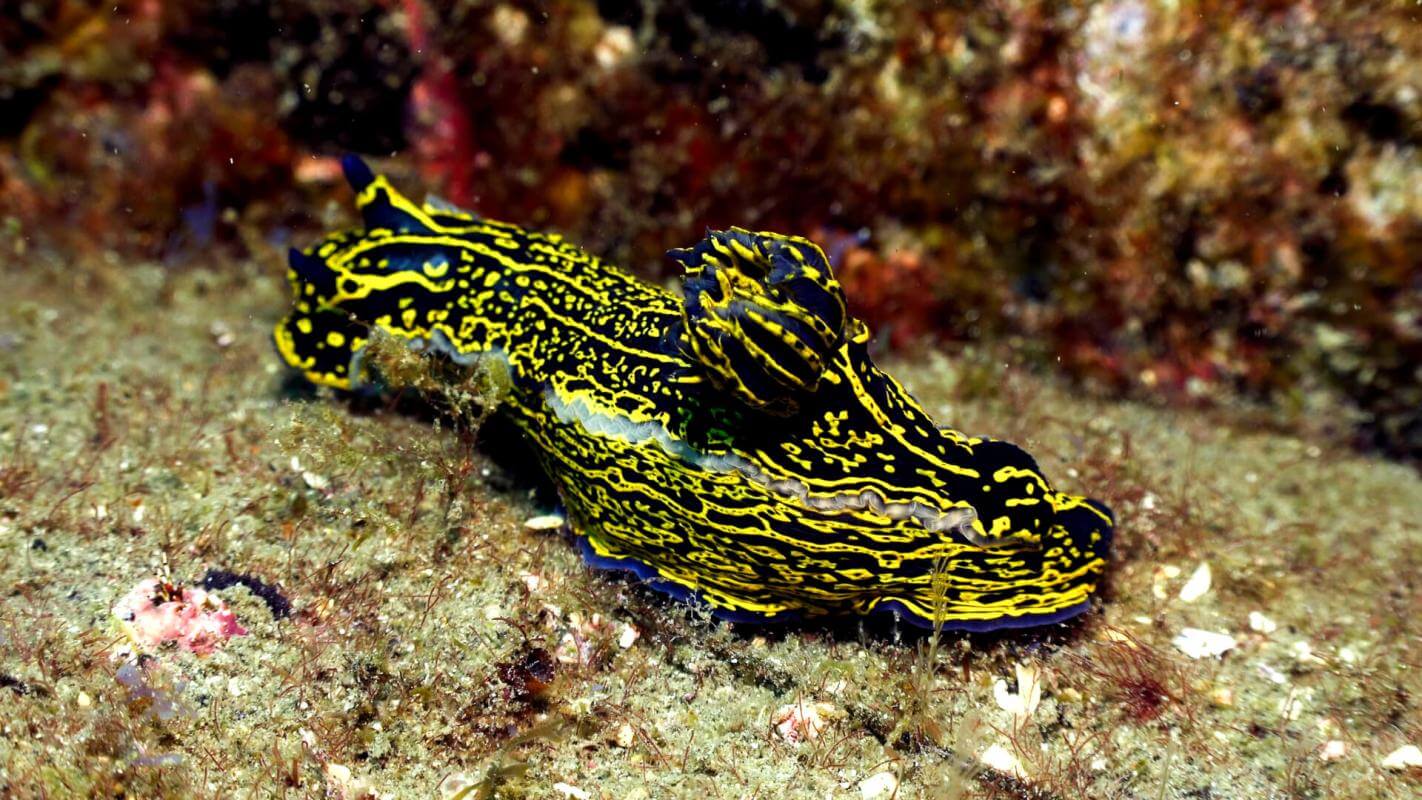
735	445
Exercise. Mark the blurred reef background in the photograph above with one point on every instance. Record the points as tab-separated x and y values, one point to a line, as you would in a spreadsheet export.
1172	248
1177	200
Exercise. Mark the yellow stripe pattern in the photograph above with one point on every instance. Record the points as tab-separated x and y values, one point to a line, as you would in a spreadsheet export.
737	443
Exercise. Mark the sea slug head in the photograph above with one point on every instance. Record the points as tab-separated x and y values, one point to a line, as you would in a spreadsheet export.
1035	554
1010	502
767	324
317	336
1018	550
395	274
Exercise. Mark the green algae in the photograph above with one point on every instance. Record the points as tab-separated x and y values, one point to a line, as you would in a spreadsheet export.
145	428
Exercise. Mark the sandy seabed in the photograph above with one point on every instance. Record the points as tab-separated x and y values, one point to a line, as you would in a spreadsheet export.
410	635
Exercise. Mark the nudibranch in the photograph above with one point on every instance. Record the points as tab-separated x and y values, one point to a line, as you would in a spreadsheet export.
735	444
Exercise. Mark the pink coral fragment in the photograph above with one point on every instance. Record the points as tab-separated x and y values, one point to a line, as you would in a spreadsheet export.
158	612
801	721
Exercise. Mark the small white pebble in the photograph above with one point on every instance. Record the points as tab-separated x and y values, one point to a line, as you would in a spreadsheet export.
1261	624
531	582
340	782
1332	750
879	785
221	334
1162	576
1273	675
1303	651
1404	757
568	790
544	522
1198	585
317	482
1196	643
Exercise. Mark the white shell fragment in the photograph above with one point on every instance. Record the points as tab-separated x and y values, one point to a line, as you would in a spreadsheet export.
1198	585
1023	703
1196	643
1404	757
1332	750
544	522
341	782
1261	624
1002	760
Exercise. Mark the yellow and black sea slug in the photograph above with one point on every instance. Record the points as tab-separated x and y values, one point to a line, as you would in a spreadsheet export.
735	444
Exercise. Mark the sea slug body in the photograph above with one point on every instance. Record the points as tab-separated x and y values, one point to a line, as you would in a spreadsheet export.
735	444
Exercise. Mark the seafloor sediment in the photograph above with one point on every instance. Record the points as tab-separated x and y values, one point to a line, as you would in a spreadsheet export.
431	640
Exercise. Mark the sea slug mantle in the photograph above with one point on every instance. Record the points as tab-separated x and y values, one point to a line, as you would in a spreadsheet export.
735	444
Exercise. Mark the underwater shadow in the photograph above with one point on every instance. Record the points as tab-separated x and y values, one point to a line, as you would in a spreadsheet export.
516	471
658	611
